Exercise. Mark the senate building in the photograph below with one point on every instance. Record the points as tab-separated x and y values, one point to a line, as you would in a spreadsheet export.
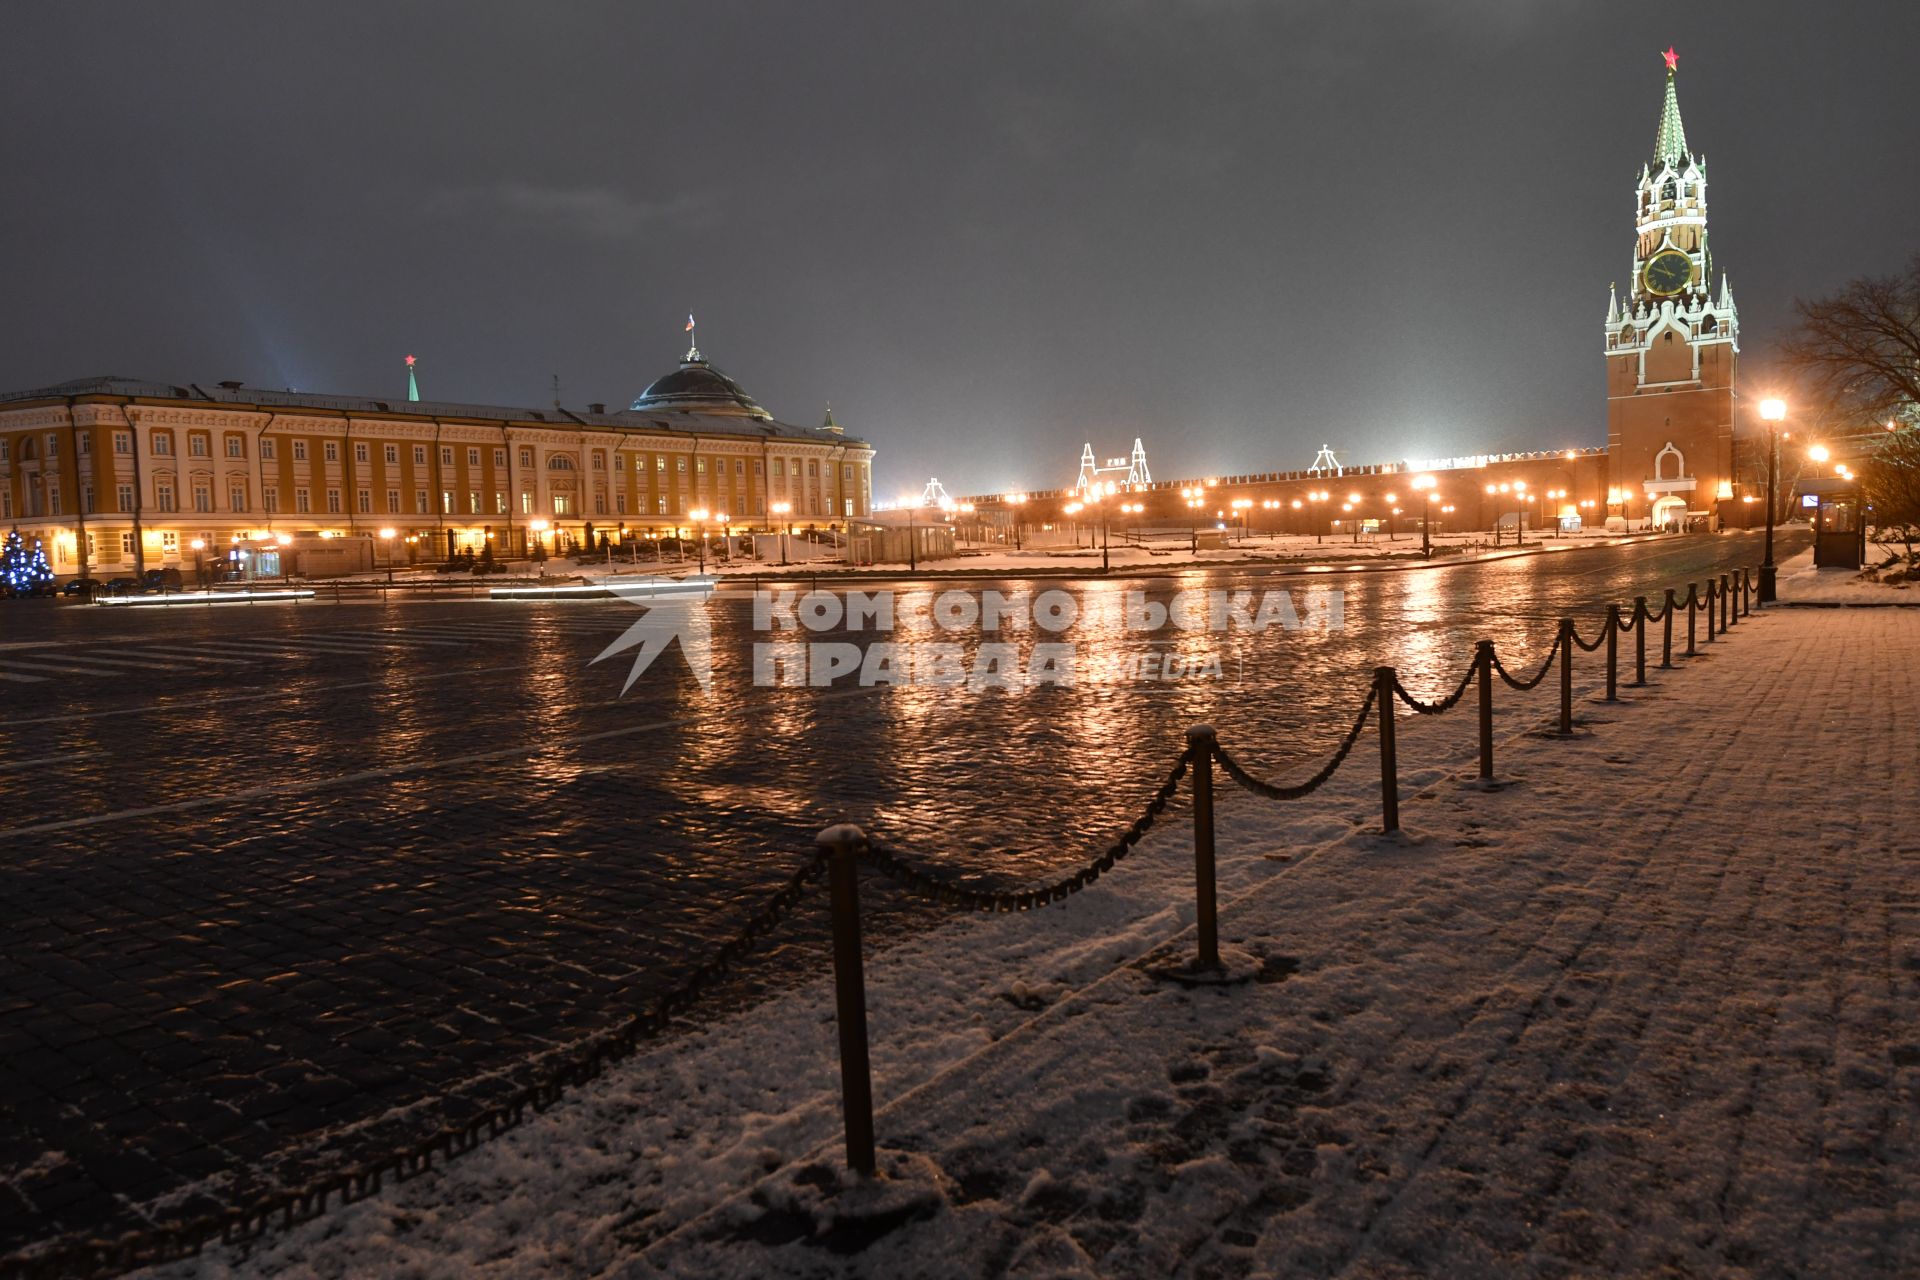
121	475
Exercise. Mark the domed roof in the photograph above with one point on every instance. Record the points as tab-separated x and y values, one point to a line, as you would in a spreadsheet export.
698	387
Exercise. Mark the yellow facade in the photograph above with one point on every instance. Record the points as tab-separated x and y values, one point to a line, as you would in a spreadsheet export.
139	478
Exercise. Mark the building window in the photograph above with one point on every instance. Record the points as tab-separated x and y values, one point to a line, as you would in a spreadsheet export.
739	466
169	542
661	504
473	504
419	455
365	499
299	450
332	448
302	503
700	466
499	504
53	445
660	462
446	455
236	447
620	503
446	502
163	495
126	544
162	445
86	499
562	505
123	494
360	451
270	499
6	450
599	460
779	469
393	502
53	500
85	445
619	462
197	445
526	456
123	442
392	454
420	502
333	502
473	457
499	459
599	504
757	468
237	497
266	450
813	467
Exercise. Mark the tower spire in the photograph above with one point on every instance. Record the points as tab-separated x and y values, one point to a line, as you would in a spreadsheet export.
693	342
413	388
1670	144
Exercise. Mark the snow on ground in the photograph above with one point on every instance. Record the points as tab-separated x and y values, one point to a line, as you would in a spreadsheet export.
1649	1008
1798	582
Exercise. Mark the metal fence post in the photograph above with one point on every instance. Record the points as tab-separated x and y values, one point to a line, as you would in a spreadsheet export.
1484	656
1693	608
1666	640
1566	677
1201	740
843	843
1710	602
1746	592
1726	623
1383	682
1613	652
1639	640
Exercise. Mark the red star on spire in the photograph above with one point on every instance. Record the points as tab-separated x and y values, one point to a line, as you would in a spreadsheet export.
409	362
1673	59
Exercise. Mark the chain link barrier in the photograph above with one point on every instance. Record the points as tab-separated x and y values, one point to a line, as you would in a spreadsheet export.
1270	791
890	864
560	1070
1583	646
1538	676
1445	704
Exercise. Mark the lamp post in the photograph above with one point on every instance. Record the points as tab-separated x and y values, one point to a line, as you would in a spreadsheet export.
1423	485
1773	412
1353	504
1317	497
199	567
784	510
699	516
1017	501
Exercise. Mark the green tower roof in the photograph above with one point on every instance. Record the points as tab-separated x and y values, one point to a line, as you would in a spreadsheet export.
1670	144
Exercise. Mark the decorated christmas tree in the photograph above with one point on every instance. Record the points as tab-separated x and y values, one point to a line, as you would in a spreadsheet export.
21	571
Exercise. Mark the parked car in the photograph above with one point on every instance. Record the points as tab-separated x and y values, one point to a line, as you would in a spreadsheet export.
86	588
123	586
164	579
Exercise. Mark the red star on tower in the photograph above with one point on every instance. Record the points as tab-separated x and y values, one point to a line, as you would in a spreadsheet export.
1673	59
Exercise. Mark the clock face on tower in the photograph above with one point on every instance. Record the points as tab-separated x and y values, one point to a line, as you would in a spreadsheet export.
1667	272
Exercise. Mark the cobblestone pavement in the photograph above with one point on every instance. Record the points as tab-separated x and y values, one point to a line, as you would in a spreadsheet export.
279	880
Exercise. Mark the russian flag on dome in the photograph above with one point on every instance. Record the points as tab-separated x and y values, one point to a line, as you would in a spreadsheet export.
689	322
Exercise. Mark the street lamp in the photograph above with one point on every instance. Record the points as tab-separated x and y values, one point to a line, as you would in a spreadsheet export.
1017	501
1423	485
784	510
1353	501
1773	412
699	516
199	568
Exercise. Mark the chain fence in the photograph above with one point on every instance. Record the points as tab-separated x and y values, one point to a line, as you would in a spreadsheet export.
574	1065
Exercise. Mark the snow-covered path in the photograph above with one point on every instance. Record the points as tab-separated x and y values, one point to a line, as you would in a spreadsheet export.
1652	1009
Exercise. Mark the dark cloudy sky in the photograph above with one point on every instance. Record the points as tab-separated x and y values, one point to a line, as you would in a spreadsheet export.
986	232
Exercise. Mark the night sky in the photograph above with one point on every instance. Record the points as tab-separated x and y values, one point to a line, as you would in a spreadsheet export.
986	232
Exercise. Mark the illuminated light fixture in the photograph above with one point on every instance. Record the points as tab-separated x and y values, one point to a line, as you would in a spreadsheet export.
1725	490
1774	410
1818	453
